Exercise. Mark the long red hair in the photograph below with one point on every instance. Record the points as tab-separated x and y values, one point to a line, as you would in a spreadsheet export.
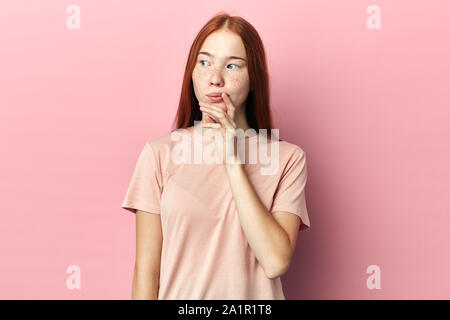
258	112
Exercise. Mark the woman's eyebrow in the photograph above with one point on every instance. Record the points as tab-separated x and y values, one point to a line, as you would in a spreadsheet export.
229	57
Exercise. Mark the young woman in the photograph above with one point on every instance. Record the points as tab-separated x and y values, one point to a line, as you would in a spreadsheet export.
222	230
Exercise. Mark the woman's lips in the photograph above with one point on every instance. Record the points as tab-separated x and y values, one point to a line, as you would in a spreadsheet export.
215	99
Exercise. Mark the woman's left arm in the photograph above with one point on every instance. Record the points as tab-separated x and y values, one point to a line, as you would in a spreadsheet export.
267	238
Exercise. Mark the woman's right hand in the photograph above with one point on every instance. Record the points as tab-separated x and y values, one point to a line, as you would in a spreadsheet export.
207	119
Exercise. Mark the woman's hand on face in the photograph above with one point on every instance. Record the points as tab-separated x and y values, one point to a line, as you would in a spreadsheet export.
224	122
223	118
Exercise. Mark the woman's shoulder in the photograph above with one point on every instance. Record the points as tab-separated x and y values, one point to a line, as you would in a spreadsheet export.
289	149
159	142
162	144
284	145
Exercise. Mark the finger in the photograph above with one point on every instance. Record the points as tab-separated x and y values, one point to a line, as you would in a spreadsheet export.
211	125
221	117
207	118
215	108
210	106
210	114
229	104
207	104
219	110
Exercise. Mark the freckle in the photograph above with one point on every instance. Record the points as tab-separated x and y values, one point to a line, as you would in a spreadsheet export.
202	73
236	81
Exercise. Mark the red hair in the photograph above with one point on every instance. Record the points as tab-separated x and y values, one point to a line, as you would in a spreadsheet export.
257	108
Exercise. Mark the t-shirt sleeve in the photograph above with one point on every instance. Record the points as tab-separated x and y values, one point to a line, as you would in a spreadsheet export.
145	187
290	193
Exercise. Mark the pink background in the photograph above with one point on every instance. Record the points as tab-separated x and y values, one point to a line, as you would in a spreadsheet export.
371	108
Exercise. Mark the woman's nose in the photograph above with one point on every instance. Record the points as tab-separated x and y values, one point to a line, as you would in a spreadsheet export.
216	78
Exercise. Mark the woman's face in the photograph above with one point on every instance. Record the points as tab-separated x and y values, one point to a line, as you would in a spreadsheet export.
219	69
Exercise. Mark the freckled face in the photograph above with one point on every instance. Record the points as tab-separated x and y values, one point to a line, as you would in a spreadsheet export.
218	73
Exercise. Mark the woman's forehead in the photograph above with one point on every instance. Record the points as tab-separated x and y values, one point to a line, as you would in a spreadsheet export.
221	44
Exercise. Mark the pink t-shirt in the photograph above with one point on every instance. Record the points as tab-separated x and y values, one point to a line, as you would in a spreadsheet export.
205	253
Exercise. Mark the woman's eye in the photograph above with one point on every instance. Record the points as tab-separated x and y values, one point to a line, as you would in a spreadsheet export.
234	65
204	61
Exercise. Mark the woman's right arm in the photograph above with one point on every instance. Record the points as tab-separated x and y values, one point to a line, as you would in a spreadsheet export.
148	256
